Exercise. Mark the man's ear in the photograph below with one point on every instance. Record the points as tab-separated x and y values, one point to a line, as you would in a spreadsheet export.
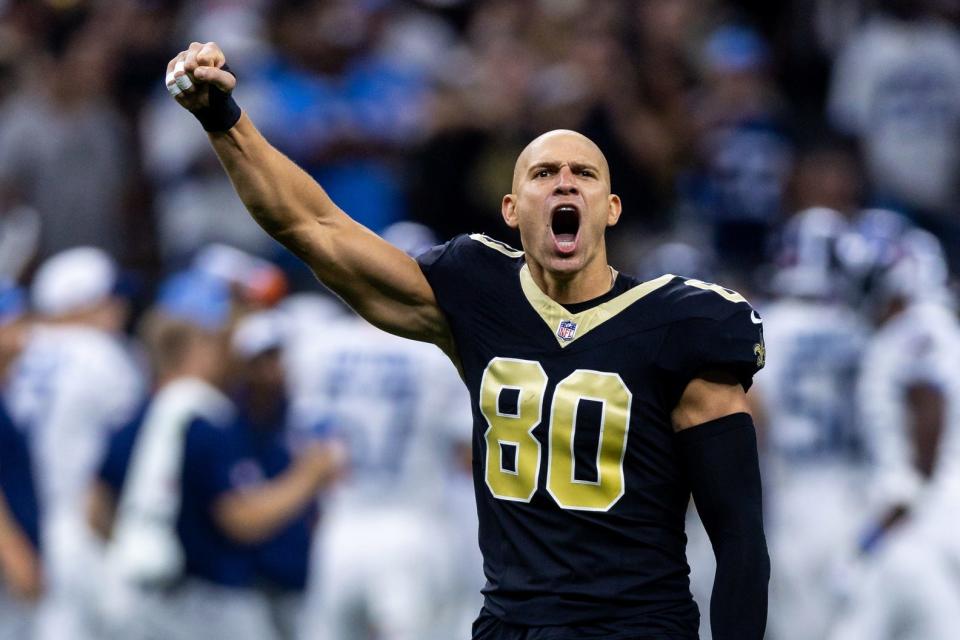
508	209
615	208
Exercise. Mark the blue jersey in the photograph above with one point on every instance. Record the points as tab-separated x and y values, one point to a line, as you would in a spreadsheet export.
580	491
16	477
282	560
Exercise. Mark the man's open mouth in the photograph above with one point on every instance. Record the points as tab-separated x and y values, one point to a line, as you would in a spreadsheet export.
565	223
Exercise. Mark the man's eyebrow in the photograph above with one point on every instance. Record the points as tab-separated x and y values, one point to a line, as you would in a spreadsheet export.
547	164
584	165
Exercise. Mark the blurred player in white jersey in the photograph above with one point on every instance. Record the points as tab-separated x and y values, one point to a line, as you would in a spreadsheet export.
20	577
74	382
909	395
381	566
814	461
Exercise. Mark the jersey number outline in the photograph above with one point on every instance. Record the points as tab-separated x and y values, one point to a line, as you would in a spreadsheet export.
515	429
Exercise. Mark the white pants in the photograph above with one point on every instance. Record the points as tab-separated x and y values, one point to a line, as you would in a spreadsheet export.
909	589
377	573
703	568
467	579
196	610
72	559
812	527
16	617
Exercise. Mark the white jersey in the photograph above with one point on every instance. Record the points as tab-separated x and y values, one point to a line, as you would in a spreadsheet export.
813	458
919	346
398	404
810	376
907	587
385	552
69	388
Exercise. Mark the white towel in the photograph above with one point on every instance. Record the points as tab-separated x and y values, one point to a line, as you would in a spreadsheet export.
144	550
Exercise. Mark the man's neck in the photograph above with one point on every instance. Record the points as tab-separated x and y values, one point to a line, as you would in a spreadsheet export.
590	282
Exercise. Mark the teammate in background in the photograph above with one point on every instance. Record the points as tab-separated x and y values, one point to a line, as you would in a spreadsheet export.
383	557
21	582
74	382
599	401
909	396
193	503
814	459
265	434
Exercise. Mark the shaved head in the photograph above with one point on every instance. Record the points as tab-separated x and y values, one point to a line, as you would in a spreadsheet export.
543	143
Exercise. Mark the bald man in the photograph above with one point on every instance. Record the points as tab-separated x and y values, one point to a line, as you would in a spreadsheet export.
600	402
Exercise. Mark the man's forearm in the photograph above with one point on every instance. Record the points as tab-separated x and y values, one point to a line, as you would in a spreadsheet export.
738	605
377	280
253	515
280	196
720	459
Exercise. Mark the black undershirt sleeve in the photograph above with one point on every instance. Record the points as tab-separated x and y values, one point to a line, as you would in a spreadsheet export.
720	461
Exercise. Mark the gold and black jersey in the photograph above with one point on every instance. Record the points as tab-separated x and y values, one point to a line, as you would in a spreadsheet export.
580	495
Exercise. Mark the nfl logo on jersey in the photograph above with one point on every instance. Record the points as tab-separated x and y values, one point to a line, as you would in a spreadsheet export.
567	329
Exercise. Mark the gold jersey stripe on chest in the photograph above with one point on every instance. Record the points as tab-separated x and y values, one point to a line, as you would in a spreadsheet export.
568	327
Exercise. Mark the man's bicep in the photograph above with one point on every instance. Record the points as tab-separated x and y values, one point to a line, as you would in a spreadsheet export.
379	281
712	394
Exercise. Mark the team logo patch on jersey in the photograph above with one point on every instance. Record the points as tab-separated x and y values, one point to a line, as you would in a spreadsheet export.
760	351
567	330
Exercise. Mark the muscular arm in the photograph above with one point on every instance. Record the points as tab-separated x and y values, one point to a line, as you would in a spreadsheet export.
379	281
718	448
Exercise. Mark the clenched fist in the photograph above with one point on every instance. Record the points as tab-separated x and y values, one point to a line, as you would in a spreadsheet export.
201	83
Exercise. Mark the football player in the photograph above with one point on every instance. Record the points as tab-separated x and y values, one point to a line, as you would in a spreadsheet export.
814	461
909	399
20	576
381	556
600	402
74	383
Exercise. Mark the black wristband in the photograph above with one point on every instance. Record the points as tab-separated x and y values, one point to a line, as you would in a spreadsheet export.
222	111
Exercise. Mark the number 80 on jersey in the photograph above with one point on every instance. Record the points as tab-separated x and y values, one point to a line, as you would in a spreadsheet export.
514	428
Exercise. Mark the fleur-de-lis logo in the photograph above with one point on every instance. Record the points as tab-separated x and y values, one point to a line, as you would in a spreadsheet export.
761	352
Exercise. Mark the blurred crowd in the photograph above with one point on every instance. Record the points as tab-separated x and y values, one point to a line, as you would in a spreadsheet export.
804	153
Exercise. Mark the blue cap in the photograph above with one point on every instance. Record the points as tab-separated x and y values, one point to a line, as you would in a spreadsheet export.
196	298
13	302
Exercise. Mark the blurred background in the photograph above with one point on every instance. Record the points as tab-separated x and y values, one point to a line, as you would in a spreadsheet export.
804	153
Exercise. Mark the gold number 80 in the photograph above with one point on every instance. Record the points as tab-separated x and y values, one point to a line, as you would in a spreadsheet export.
514	427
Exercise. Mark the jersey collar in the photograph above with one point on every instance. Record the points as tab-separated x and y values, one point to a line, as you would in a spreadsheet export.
568	327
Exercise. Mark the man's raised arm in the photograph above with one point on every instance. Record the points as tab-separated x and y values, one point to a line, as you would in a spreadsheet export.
379	281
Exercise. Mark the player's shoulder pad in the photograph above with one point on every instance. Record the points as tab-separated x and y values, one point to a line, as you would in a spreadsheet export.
468	269
467	249
688	298
710	326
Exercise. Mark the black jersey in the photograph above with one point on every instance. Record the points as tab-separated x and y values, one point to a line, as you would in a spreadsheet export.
579	491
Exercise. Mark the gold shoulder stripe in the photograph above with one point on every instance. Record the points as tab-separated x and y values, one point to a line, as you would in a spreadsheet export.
726	294
496	245
553	313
